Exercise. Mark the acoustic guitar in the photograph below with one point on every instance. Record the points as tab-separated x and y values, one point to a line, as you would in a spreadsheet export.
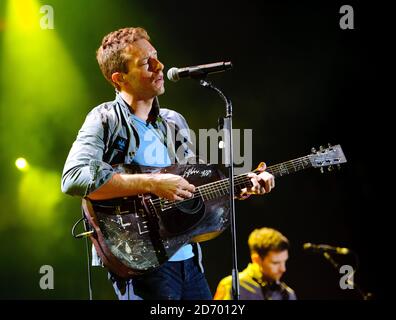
135	235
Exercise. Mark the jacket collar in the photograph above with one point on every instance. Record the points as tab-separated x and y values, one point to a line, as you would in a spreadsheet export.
154	112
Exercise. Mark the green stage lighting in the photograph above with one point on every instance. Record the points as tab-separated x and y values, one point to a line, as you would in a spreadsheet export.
41	87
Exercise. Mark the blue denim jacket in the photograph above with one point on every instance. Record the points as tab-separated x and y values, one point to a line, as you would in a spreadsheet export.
109	137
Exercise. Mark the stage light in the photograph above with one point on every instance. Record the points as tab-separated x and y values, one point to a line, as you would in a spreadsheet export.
40	84
22	164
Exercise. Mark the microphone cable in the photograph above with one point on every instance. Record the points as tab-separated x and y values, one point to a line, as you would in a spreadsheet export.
85	235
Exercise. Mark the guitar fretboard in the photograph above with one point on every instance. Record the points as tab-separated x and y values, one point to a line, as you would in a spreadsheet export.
221	188
291	166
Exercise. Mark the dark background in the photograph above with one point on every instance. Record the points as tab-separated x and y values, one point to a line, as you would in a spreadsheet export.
299	81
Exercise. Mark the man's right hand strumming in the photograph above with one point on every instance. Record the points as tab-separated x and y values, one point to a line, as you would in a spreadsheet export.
163	185
171	186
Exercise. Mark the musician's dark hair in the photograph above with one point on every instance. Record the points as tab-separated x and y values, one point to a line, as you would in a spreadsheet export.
112	55
263	240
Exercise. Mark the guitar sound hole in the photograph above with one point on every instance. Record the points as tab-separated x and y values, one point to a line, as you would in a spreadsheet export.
190	206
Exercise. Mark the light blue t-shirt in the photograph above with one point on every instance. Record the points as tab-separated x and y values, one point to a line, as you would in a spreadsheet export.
152	152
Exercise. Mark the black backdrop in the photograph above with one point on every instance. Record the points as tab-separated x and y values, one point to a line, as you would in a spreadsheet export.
299	81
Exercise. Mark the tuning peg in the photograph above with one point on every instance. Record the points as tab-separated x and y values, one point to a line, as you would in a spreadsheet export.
330	168
338	166
329	144
321	170
313	150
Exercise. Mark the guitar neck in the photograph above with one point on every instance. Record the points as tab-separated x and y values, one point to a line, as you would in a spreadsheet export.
288	167
221	188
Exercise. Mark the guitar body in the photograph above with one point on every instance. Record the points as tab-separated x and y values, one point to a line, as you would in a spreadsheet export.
135	235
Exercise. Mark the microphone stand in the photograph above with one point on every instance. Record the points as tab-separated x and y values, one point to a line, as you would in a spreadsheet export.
365	296
226	124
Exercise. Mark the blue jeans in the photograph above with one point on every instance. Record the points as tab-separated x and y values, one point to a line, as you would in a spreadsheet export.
174	280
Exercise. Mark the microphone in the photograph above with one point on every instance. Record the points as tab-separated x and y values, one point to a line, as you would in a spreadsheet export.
325	248
175	74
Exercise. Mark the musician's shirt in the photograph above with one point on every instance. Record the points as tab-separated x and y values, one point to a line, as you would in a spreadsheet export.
252	287
153	152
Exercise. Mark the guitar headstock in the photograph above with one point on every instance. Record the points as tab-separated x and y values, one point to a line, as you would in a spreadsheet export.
327	157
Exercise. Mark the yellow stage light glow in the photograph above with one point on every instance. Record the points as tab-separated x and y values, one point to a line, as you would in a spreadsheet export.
21	164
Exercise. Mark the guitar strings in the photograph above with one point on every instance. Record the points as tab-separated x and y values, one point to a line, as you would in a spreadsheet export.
218	186
213	188
223	185
209	188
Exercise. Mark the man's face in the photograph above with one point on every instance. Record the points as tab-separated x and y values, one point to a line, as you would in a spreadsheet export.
144	79
273	265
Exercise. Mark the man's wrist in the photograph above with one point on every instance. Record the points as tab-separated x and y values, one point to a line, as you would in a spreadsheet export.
149	181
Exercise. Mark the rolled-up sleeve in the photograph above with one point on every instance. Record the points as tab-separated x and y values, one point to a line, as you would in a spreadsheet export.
84	170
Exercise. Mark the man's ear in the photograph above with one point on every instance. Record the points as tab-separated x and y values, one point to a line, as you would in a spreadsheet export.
255	257
118	78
